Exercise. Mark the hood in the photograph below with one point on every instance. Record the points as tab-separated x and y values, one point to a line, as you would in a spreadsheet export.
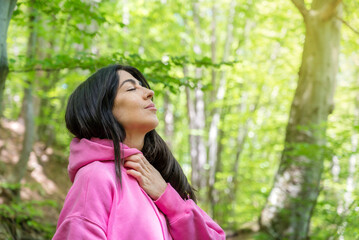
84	151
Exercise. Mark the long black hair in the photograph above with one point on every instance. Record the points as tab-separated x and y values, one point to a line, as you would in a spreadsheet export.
89	114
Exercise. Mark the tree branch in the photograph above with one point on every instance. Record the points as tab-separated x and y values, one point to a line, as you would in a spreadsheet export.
301	7
329	9
11	7
348	25
11	10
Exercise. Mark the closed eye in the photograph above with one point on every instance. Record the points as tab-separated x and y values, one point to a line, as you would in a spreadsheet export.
131	89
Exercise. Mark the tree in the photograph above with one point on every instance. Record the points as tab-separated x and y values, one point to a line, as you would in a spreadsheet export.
179	46
6	10
214	139
196	114
292	199
28	106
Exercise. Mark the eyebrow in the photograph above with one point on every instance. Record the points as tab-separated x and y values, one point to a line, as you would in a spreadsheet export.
131	81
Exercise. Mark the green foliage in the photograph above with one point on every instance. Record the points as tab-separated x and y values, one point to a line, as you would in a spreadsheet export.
11	186
161	38
26	216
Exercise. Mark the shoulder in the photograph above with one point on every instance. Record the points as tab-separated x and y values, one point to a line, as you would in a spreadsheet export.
92	193
97	172
96	181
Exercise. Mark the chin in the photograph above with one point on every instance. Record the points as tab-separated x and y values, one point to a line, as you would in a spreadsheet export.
155	124
150	126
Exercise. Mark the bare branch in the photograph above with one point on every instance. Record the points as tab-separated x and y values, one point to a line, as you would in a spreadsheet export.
301	7
329	9
348	25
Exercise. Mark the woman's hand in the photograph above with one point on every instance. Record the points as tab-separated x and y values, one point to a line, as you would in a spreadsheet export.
146	175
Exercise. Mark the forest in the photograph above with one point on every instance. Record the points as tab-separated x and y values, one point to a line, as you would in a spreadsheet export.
258	101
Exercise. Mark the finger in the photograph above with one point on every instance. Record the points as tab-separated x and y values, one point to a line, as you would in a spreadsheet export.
134	158
134	165
139	158
137	175
143	160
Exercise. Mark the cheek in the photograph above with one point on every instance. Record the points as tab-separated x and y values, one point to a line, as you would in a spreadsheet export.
118	112
124	113
117	115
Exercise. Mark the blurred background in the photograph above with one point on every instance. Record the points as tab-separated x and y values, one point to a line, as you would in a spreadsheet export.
258	100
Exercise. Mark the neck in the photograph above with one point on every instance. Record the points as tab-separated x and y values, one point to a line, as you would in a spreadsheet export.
134	141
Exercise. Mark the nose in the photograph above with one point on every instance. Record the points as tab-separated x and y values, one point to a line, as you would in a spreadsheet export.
149	93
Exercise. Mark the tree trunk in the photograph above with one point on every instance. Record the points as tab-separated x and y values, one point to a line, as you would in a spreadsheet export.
168	115
45	130
200	119
195	108
296	187
200	124
6	10
21	165
353	160
214	127
196	165
212	96
196	117
347	201
196	169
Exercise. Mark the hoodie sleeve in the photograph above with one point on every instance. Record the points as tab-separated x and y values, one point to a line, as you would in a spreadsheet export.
186	219
80	229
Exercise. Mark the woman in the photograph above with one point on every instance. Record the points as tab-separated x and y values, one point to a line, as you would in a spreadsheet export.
126	182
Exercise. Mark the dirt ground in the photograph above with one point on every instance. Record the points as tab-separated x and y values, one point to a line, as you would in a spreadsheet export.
46	176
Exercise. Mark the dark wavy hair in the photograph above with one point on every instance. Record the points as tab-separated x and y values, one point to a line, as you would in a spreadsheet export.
89	114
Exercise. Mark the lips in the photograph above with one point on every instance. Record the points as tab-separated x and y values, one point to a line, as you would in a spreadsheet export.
151	106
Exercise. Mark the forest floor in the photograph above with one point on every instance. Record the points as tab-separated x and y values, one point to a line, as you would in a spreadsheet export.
46	177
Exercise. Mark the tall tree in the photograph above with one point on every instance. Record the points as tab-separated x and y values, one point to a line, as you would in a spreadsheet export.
196	113
168	119
347	201
296	186
28	105
213	140
6	10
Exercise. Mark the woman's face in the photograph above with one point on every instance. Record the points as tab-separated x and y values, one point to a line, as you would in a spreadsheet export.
133	106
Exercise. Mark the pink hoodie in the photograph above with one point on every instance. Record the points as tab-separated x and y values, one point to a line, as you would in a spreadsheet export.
96	207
